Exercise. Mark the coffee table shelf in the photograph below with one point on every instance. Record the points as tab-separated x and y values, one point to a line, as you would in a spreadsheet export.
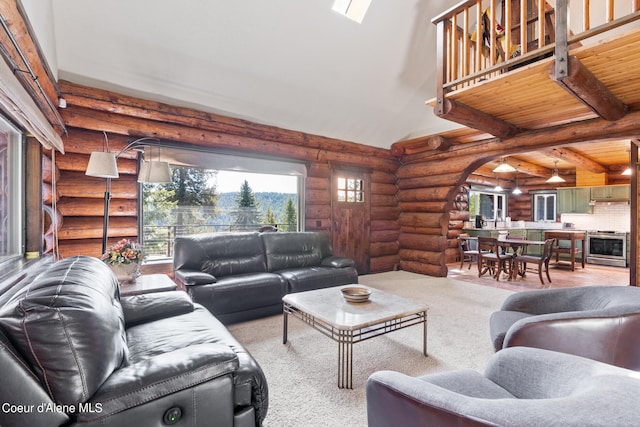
326	311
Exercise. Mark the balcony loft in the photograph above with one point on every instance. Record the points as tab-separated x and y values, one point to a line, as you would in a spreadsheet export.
491	81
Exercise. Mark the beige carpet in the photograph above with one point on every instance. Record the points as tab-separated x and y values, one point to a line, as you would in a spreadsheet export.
302	374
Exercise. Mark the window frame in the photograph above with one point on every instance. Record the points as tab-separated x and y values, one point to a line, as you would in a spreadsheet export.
16	186
497	195
534	203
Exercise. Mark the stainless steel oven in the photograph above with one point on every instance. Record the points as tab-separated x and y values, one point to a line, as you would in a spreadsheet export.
607	248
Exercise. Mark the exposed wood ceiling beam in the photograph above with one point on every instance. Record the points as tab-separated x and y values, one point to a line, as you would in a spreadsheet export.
419	145
468	116
525	167
576	159
586	87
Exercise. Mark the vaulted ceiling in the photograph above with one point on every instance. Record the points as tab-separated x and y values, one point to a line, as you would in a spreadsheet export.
293	64
286	63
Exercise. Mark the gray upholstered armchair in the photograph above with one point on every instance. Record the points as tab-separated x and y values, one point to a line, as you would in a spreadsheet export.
521	386
598	322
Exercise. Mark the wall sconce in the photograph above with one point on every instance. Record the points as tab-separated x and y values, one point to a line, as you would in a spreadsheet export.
504	167
103	164
554	175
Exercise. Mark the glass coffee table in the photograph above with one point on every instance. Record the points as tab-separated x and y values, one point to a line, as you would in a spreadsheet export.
347	323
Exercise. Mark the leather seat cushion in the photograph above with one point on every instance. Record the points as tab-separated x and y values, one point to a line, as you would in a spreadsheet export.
69	325
199	327
307	279
239	293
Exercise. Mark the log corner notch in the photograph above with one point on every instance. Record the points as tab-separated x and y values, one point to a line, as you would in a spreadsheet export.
449	109
582	84
419	145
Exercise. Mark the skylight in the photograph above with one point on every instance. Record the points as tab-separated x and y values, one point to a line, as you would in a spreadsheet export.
352	9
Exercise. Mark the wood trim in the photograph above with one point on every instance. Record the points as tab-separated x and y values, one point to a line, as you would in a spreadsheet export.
18	29
350	167
33	197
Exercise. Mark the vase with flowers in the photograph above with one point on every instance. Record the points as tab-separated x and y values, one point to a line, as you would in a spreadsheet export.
124	258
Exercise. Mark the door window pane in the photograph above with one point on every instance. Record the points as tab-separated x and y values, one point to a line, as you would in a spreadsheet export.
350	190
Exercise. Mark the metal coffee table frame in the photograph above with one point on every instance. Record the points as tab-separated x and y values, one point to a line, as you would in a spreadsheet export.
347	335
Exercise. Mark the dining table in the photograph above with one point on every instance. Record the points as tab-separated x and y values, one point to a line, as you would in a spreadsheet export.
519	247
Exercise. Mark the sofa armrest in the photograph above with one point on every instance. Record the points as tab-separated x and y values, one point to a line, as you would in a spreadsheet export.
608	335
398	400
160	376
156	305
543	301
193	277
337	262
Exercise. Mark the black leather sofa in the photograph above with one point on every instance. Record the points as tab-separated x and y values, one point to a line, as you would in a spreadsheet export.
243	276
72	352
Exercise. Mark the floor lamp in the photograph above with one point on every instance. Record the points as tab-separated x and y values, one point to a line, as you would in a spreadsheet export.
103	164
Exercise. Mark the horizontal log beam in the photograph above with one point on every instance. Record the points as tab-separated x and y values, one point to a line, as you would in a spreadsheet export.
582	84
106	101
476	119
576	159
533	140
77	184
76	206
435	270
419	145
384	263
140	127
91	227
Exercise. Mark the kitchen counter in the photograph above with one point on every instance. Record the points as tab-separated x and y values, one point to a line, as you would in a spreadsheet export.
572	236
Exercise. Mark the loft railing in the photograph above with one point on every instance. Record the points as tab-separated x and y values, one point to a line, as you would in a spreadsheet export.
480	38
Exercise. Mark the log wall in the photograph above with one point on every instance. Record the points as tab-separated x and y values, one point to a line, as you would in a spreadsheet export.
91	111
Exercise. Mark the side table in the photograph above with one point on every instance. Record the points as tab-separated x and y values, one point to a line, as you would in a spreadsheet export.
148	283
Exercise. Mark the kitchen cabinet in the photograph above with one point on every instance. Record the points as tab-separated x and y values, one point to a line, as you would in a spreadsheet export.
611	192
534	235
574	200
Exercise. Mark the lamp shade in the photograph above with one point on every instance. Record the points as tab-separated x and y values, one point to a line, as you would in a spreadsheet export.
627	171
102	164
504	167
556	178
154	172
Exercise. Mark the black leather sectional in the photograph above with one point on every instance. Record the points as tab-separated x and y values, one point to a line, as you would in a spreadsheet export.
72	352
243	276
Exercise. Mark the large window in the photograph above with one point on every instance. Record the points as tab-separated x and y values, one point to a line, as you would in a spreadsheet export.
492	206
11	192
544	207
263	194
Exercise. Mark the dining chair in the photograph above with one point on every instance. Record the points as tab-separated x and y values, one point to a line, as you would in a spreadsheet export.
491	259
468	247
523	262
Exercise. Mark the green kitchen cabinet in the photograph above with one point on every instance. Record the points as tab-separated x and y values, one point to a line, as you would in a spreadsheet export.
611	192
574	200
535	235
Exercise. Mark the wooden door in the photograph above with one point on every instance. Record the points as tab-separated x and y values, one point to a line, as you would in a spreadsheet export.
350	214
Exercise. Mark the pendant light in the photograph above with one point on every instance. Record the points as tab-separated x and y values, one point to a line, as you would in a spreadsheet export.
517	191
554	175
504	167
627	171
498	188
